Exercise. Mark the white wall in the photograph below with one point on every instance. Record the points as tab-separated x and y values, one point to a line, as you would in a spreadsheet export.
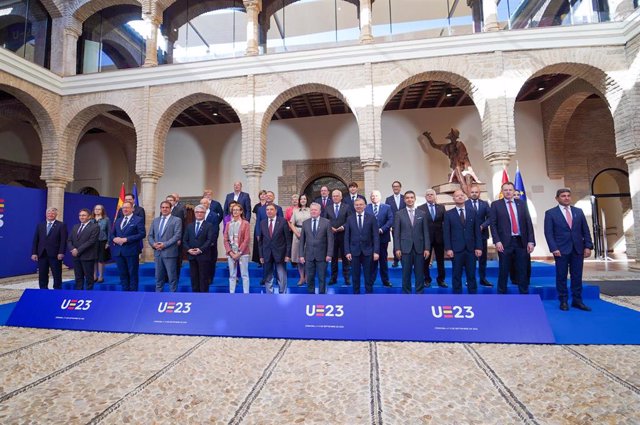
19	142
101	163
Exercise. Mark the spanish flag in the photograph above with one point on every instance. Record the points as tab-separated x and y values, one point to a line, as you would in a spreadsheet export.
505	178
120	201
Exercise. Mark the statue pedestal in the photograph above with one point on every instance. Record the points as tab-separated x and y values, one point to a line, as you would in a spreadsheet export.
445	191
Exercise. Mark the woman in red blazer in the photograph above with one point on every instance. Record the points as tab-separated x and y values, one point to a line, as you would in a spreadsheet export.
236	244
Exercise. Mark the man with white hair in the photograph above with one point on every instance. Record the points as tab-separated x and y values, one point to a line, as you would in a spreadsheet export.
383	214
197	240
49	242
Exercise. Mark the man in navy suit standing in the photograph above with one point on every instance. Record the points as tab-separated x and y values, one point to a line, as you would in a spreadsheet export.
482	215
197	242
49	242
240	197
213	215
324	199
569	240
82	243
462	242
362	245
337	212
275	248
396	202
435	219
512	232
353	195
128	233
384	217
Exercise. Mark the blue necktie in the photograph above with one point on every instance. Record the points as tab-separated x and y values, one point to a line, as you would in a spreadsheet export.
197	227
49	226
360	221
162	225
375	210
337	210
315	227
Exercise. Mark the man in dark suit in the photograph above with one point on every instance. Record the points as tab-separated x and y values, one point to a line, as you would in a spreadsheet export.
137	211
261	215
512	232
353	195
164	234
197	240
48	249
396	202
324	199
362	245
177	208
435	219
384	217
240	197
337	213
567	233
411	239
213	215
128	233
316	248
82	243
482	210
275	248
462	242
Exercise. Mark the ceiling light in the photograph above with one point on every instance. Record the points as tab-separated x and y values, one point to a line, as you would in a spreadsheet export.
448	92
215	111
287	106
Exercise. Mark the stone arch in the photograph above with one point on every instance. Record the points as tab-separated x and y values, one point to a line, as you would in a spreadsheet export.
83	9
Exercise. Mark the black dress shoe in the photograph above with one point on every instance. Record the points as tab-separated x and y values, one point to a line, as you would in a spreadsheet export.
394	264
443	285
427	284
564	306
387	284
485	282
580	306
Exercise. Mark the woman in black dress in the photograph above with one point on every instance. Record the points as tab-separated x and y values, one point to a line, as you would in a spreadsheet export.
255	254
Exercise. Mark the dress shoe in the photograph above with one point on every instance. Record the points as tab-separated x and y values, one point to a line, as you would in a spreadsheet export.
427	284
302	283
394	264
387	284
580	306
100	280
564	306
485	282
443	285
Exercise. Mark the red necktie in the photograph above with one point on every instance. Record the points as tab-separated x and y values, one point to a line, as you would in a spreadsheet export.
567	214
514	220
270	227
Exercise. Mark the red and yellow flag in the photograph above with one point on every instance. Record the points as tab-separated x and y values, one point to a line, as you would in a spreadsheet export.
505	178
120	201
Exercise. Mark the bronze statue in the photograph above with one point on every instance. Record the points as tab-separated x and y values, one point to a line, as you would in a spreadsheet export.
461	171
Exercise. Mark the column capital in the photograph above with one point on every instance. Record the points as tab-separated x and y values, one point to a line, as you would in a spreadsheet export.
372	163
57	182
149	176
253	4
631	156
497	158
253	170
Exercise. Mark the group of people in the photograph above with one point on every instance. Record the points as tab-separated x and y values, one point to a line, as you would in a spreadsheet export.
330	229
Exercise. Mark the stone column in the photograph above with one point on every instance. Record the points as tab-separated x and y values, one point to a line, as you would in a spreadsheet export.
371	173
498	161
253	8
151	39
366	35
148	202
490	15
254	175
65	32
55	194
633	163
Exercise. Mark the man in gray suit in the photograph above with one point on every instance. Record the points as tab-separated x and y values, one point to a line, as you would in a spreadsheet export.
316	247
82	243
164	235
411	239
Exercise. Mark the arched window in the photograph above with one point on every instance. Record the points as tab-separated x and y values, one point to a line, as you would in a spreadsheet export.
25	29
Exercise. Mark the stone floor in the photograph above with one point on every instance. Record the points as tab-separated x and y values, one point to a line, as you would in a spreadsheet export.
64	377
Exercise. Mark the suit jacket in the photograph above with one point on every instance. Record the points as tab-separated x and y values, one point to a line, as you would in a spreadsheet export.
137	211
347	199
564	238
86	242
385	220
244	236
483	215
244	199
501	224
277	245
407	237
170	237
179	211
320	246
435	225
54	243
344	213
392	203
458	237
134	232
262	215
214	218
365	241
203	240
323	207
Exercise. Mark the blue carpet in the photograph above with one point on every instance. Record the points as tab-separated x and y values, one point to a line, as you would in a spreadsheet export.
607	324
5	312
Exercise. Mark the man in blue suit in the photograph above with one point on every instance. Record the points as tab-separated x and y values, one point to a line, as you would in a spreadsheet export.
353	195
482	210
362	245
240	197
213	215
384	216
569	240
126	238
49	242
275	248
396	202
197	240
462	242
164	235
512	232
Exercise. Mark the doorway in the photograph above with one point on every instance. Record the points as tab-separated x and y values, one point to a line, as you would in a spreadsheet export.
612	217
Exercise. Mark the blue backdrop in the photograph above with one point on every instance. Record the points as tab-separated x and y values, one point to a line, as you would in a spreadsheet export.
21	209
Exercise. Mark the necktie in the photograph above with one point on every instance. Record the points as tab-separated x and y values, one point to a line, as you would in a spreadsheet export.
324	202
314	229
270	227
197	228
81	228
360	221
514	220
375	210
353	198
432	208
162	222
124	222
337	210
567	215
411	215
49	226
475	205
462	216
